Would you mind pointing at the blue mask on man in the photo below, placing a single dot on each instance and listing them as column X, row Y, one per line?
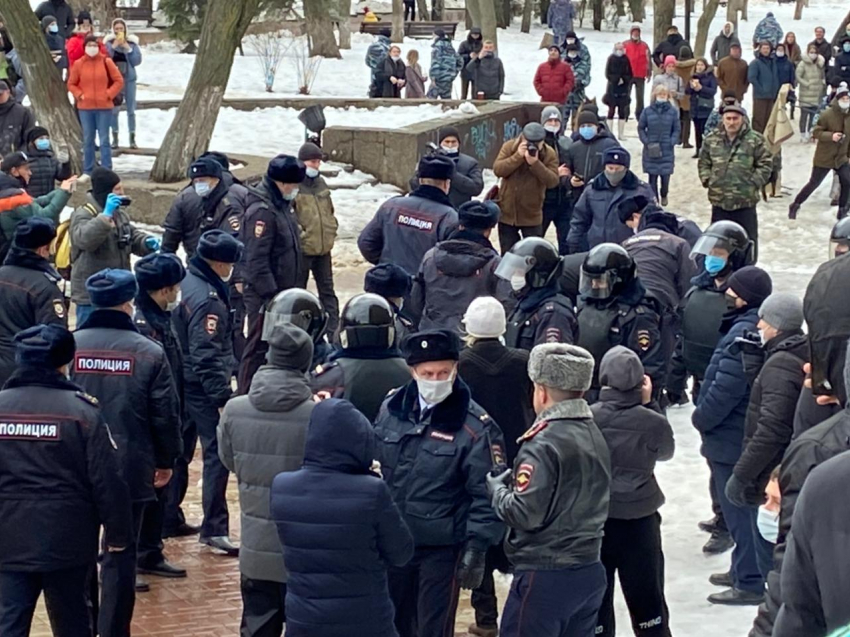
column 587, row 132
column 42, row 144
column 714, row 265
column 53, row 28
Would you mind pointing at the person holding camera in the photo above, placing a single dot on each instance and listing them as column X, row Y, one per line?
column 527, row 167
column 102, row 236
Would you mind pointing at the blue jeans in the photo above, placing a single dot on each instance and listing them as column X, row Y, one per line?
column 83, row 312
column 96, row 121
column 130, row 105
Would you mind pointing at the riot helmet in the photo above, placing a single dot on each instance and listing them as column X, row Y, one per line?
column 607, row 270
column 297, row 307
column 367, row 320
column 726, row 246
column 839, row 238
column 531, row 263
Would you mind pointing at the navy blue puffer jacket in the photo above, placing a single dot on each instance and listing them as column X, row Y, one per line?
column 340, row 531
column 659, row 124
column 725, row 393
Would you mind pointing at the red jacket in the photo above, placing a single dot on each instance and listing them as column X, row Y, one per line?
column 553, row 82
column 638, row 54
column 76, row 47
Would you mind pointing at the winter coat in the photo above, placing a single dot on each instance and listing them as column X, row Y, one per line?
column 62, row 11
column 314, row 209
column 659, row 132
column 637, row 438
column 764, row 77
column 56, row 44
column 685, row 71
column 98, row 242
column 15, row 121
column 811, row 82
column 722, row 44
column 414, row 82
column 702, row 101
column 259, row 436
column 523, row 187
column 840, row 70
column 732, row 75
column 584, row 158
column 785, row 71
column 392, row 68
column 618, row 73
column 487, row 75
column 560, row 18
column 768, row 30
column 498, row 378
column 469, row 46
column 445, row 63
column 556, row 517
column 377, row 53
column 824, row 49
column 830, row 154
column 675, row 85
column 581, row 74
column 735, row 171
column 16, row 205
column 95, row 82
column 795, row 54
column 126, row 61
column 638, row 54
column 770, row 414
column 671, row 45
column 721, row 407
column 340, row 531
column 595, row 219
column 553, row 81
column 75, row 46
column 46, row 171
column 467, row 180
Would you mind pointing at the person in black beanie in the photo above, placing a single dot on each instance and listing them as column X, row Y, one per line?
column 467, row 179
column 393, row 283
column 405, row 228
column 103, row 236
column 273, row 255
column 458, row 270
column 47, row 163
column 29, row 287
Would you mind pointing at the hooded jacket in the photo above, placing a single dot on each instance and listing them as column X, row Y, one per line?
column 585, row 157
column 445, row 62
column 702, row 100
column 524, row 185
column 560, row 18
column 15, row 121
column 637, row 437
column 340, row 531
column 55, row 41
column 467, row 47
column 811, row 81
column 16, row 205
column 618, row 73
column 659, row 125
column 722, row 44
column 62, row 11
column 126, row 61
column 767, row 30
column 580, row 66
column 672, row 45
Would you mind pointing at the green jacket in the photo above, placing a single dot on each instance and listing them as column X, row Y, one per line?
column 315, row 211
column 734, row 172
column 831, row 154
column 16, row 205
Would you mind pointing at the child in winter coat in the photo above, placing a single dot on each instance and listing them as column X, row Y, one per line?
column 811, row 86
column 618, row 72
column 414, row 77
column 701, row 89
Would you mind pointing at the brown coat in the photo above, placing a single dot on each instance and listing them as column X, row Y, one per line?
column 830, row 154
column 95, row 82
column 685, row 70
column 732, row 76
column 524, row 185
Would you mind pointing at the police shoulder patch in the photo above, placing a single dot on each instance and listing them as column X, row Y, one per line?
column 91, row 400
column 644, row 340
column 259, row 228
column 234, row 223
column 536, row 429
column 523, row 477
column 211, row 323
column 59, row 308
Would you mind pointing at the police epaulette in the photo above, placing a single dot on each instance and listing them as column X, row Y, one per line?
column 91, row 400
column 213, row 294
column 536, row 429
column 485, row 417
column 393, row 392
column 321, row 369
column 141, row 321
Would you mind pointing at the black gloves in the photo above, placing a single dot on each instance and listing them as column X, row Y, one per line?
column 736, row 492
column 470, row 572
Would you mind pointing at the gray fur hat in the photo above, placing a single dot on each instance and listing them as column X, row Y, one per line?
column 561, row 366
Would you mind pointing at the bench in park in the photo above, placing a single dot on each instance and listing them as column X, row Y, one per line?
column 422, row 30
column 137, row 14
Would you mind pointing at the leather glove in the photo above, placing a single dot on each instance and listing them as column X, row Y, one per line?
column 470, row 572
column 113, row 203
column 497, row 479
column 153, row 244
column 736, row 492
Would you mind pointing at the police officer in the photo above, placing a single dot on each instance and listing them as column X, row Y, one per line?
column 159, row 276
column 272, row 252
column 405, row 228
column 615, row 309
column 204, row 328
column 555, row 503
column 435, row 446
column 304, row 310
column 369, row 365
column 130, row 376
column 60, row 480
column 839, row 238
column 543, row 314
column 29, row 287
column 394, row 284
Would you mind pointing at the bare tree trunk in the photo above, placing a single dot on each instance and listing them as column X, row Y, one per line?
column 544, row 11
column 703, row 25
column 598, row 14
column 488, row 24
column 437, row 10
column 840, row 32
column 398, row 21
column 344, row 24
column 103, row 12
column 320, row 29
column 189, row 135
column 663, row 12
column 732, row 13
column 745, row 7
column 526, row 16
column 422, row 7
column 637, row 8
column 45, row 87
column 504, row 13
column 473, row 13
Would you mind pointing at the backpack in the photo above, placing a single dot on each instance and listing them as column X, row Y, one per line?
column 62, row 248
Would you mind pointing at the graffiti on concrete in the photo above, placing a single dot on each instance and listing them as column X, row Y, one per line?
column 511, row 129
column 481, row 138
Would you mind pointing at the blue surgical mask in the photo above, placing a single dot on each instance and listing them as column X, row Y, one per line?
column 768, row 524
column 312, row 173
column 714, row 264
column 53, row 28
column 42, row 144
column 587, row 132
column 202, row 188
column 292, row 195
column 846, row 47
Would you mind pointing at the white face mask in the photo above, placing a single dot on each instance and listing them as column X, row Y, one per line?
column 763, row 338
column 92, row 51
column 813, row 57
column 844, row 104
column 768, row 524
column 229, row 276
column 395, row 58
column 292, row 195
column 312, row 172
column 434, row 392
column 517, row 283
column 571, row 40
column 450, row 150
column 173, row 305
column 552, row 129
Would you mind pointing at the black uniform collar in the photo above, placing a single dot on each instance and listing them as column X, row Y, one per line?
column 471, row 236
column 202, row 269
column 449, row 415
column 535, row 298
column 40, row 377
column 365, row 353
column 29, row 260
column 432, row 193
column 158, row 318
column 111, row 319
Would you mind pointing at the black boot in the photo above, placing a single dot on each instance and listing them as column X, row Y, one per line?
column 793, row 209
column 736, row 597
column 133, row 140
column 709, row 526
column 114, row 139
column 719, row 542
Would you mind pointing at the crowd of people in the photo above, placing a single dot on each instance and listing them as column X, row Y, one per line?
column 474, row 409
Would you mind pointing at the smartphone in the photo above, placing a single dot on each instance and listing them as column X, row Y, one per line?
column 820, row 381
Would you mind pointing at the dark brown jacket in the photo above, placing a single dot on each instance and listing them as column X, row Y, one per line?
column 732, row 76
column 830, row 154
column 523, row 185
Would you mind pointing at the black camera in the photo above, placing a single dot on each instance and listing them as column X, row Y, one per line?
column 532, row 148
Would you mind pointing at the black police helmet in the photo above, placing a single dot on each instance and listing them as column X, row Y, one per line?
column 367, row 320
column 296, row 307
column 607, row 270
column 537, row 259
column 839, row 238
column 729, row 236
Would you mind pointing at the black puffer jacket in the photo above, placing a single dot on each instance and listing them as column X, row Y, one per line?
column 469, row 46
column 15, row 121
column 770, row 414
column 46, row 171
column 618, row 72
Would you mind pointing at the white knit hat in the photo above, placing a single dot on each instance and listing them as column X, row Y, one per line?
column 485, row 318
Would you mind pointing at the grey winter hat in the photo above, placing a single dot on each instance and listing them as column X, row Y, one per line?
column 533, row 132
column 621, row 369
column 561, row 366
column 551, row 112
column 782, row 311
column 290, row 347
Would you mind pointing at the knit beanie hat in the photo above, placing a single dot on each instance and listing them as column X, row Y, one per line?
column 588, row 117
column 752, row 284
column 485, row 318
column 782, row 311
column 103, row 181
column 670, row 60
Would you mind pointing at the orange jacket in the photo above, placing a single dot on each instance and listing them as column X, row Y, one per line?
column 75, row 46
column 95, row 82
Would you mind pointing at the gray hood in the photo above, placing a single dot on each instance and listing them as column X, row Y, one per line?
column 621, row 369
column 277, row 389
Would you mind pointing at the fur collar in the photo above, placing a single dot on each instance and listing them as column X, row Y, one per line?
column 566, row 410
column 449, row 415
column 132, row 39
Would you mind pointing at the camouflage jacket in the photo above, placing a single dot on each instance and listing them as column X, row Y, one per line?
column 734, row 172
column 445, row 62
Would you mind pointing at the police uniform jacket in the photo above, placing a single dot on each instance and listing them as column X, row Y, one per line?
column 129, row 375
column 557, row 505
column 204, row 327
column 405, row 228
column 704, row 307
column 467, row 180
column 155, row 323
column 542, row 316
column 31, row 295
column 59, row 476
column 436, row 464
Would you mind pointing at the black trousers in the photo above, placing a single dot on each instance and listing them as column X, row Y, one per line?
column 425, row 593
column 175, row 491
column 510, row 235
column 321, row 267
column 118, row 584
column 149, row 551
column 817, row 177
column 237, row 303
column 484, row 597
column 65, row 596
column 639, row 84
column 747, row 218
column 665, row 185
column 699, row 131
column 410, row 9
column 685, row 123
column 255, row 347
column 263, row 608
column 632, row 550
column 559, row 213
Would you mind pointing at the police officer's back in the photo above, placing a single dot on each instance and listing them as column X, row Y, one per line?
column 29, row 288
column 542, row 314
column 369, row 365
column 59, row 481
column 394, row 284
